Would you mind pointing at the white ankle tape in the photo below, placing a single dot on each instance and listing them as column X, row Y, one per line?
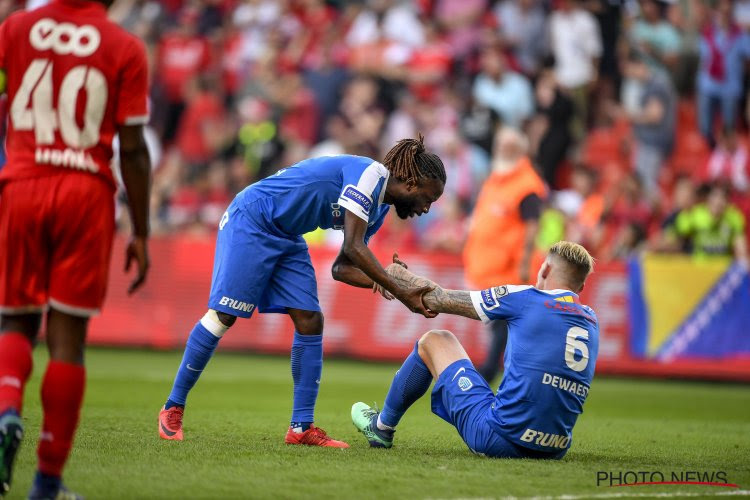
column 213, row 324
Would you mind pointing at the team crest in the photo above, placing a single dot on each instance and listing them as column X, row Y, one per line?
column 465, row 384
column 500, row 291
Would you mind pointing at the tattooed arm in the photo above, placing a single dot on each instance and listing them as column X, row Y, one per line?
column 439, row 300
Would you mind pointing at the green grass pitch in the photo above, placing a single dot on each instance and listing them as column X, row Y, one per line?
column 238, row 414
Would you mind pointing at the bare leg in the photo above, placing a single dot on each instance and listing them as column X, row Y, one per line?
column 66, row 337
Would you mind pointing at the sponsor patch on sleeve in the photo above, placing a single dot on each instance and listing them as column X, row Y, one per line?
column 358, row 197
column 491, row 296
column 489, row 299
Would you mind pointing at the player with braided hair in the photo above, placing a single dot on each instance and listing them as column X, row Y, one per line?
column 262, row 262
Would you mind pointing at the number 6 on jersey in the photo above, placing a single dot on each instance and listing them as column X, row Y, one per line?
column 572, row 344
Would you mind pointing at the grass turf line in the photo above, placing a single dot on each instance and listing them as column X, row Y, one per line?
column 239, row 411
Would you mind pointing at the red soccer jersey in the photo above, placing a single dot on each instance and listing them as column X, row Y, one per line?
column 73, row 76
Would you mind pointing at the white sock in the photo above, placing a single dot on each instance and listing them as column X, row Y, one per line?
column 384, row 427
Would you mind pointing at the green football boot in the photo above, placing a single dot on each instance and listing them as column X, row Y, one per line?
column 365, row 419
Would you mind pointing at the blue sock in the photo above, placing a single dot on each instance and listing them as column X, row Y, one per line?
column 409, row 384
column 46, row 485
column 307, row 366
column 199, row 349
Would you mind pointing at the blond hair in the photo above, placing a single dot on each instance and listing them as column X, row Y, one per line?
column 579, row 261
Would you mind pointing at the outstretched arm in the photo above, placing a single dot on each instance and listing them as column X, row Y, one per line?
column 369, row 271
column 439, row 299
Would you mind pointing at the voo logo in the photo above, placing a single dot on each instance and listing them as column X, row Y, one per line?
column 64, row 38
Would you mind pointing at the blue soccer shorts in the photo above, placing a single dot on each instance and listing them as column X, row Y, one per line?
column 255, row 267
column 463, row 398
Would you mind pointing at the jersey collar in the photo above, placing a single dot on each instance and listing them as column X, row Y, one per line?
column 85, row 5
column 385, row 185
column 558, row 291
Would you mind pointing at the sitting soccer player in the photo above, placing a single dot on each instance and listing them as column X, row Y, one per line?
column 553, row 342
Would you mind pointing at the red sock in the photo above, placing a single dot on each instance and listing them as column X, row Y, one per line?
column 15, row 367
column 62, row 396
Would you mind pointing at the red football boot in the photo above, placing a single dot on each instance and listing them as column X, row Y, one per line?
column 170, row 423
column 314, row 436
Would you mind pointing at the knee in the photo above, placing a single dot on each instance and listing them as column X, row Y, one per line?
column 308, row 322
column 26, row 324
column 225, row 319
column 435, row 337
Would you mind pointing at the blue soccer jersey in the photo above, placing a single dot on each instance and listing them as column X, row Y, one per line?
column 553, row 341
column 261, row 261
column 317, row 192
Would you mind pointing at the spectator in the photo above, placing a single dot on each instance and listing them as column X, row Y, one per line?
column 461, row 18
column 361, row 115
column 576, row 45
column 430, row 64
column 626, row 205
column 310, row 77
column 742, row 14
column 386, row 19
column 654, row 36
column 629, row 242
column 478, row 124
column 298, row 111
column 448, row 234
column 466, row 168
column 326, row 82
column 653, row 122
column 723, row 51
column 523, row 25
column 714, row 227
column 555, row 114
column 503, row 229
column 729, row 161
column 583, row 207
column 683, row 198
column 203, row 131
column 256, row 19
column 506, row 92
column 182, row 55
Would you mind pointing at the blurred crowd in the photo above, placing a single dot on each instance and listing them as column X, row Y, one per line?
column 632, row 114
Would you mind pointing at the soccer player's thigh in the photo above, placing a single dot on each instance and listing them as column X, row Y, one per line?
column 81, row 232
column 461, row 395
column 293, row 284
column 24, row 246
column 244, row 261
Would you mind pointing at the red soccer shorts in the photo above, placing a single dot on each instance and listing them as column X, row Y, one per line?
column 55, row 243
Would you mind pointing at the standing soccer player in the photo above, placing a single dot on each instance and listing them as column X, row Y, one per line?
column 74, row 79
column 553, row 341
column 263, row 262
